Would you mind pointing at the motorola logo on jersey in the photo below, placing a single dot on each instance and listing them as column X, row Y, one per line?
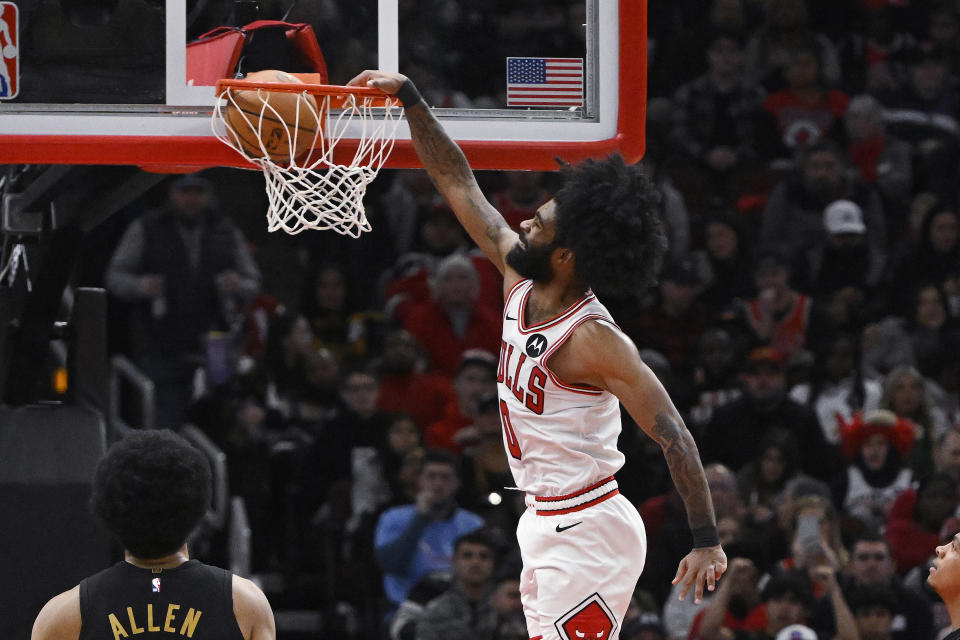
column 528, row 389
column 536, row 345
column 589, row 620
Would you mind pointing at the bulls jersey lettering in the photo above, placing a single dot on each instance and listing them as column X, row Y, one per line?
column 560, row 436
column 530, row 391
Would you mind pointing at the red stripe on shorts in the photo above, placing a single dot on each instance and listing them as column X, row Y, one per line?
column 579, row 507
column 575, row 493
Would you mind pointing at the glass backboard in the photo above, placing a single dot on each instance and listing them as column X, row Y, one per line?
column 106, row 81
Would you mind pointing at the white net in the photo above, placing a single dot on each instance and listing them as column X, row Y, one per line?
column 306, row 187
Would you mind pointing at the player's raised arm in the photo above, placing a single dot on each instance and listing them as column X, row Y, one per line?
column 609, row 359
column 447, row 167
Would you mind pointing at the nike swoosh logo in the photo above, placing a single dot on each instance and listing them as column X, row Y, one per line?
column 569, row 526
column 509, row 318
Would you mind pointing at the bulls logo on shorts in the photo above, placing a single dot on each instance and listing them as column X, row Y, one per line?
column 536, row 345
column 589, row 620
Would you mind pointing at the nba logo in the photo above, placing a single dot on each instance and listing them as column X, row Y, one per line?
column 155, row 585
column 9, row 51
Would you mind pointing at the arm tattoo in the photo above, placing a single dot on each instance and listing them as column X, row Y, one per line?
column 439, row 154
column 683, row 459
column 448, row 168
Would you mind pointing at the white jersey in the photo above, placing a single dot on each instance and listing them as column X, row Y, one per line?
column 560, row 437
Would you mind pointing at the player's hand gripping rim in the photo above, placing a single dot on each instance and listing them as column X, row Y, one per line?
column 702, row 566
column 386, row 81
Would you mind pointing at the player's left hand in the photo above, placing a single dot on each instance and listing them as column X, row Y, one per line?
column 384, row 80
column 701, row 567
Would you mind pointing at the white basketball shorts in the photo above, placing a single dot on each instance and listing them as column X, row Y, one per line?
column 582, row 555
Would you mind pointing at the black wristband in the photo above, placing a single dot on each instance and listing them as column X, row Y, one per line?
column 408, row 94
column 705, row 536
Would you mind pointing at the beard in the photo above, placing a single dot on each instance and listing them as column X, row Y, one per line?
column 531, row 262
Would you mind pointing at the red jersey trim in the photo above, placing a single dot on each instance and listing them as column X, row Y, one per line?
column 573, row 388
column 579, row 507
column 596, row 485
column 522, row 325
column 509, row 296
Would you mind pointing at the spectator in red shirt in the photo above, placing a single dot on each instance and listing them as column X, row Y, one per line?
column 787, row 600
column 407, row 282
column 476, row 375
column 452, row 321
column 735, row 606
column 405, row 388
column 521, row 197
column 780, row 316
column 881, row 159
column 806, row 110
column 920, row 519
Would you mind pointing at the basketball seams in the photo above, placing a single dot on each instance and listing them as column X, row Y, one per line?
column 250, row 146
column 256, row 114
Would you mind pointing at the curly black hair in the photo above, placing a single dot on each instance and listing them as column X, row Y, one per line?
column 608, row 215
column 151, row 490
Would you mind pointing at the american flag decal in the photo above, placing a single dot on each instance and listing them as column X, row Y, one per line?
column 544, row 82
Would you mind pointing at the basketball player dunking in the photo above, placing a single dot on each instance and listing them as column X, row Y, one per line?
column 564, row 368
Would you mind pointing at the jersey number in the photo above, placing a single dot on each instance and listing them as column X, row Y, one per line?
column 512, row 444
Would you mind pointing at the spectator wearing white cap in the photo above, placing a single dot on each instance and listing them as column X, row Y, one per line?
column 845, row 264
column 793, row 217
column 797, row 632
column 844, row 217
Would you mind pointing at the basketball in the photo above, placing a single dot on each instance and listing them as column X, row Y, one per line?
column 272, row 118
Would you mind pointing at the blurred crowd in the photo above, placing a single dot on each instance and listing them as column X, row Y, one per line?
column 806, row 324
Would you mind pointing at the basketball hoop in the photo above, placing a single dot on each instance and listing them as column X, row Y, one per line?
column 301, row 136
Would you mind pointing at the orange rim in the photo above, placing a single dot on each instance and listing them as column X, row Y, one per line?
column 338, row 94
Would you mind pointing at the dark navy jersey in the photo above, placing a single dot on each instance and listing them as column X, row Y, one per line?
column 193, row 600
